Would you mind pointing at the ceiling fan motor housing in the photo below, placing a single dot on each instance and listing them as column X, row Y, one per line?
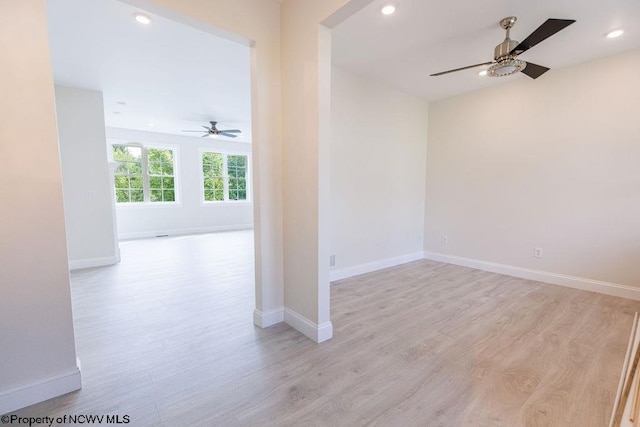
column 503, row 50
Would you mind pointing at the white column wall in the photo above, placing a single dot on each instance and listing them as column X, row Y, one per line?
column 37, row 348
column 88, row 193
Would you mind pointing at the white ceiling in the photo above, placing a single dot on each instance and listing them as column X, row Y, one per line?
column 179, row 77
column 170, row 75
column 428, row 36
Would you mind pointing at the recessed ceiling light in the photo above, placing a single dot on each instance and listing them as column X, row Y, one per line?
column 615, row 33
column 151, row 124
column 121, row 103
column 482, row 73
column 117, row 112
column 388, row 9
column 142, row 18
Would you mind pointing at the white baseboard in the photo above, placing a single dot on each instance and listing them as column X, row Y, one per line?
column 606, row 288
column 318, row 333
column 182, row 231
column 270, row 318
column 40, row 390
column 344, row 273
column 77, row 264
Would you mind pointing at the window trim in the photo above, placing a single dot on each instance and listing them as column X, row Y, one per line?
column 145, row 173
column 225, row 153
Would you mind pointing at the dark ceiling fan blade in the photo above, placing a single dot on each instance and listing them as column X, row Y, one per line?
column 205, row 135
column 207, row 128
column 193, row 131
column 230, row 135
column 534, row 70
column 543, row 32
column 460, row 69
column 231, row 130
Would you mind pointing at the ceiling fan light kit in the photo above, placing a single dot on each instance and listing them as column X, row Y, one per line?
column 505, row 55
column 506, row 67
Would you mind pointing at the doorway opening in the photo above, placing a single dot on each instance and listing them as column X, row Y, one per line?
column 165, row 216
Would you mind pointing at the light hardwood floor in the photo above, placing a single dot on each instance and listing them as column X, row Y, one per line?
column 166, row 337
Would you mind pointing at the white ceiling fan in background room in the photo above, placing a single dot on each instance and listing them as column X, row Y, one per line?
column 213, row 132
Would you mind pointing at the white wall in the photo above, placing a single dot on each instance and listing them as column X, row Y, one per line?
column 257, row 22
column 378, row 150
column 37, row 349
column 190, row 214
column 88, row 196
column 551, row 163
column 306, row 86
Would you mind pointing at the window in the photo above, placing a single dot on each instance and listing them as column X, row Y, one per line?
column 224, row 177
column 161, row 179
column 128, row 176
column 237, row 171
column 213, row 173
column 144, row 174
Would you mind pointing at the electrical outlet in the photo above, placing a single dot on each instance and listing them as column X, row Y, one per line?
column 445, row 239
column 332, row 261
column 537, row 252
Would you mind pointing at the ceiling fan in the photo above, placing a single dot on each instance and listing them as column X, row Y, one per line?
column 505, row 54
column 213, row 131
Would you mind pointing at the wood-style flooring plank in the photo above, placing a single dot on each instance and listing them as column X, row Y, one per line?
column 166, row 337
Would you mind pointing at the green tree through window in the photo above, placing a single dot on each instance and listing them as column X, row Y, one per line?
column 161, row 179
column 144, row 174
column 128, row 176
column 237, row 170
column 224, row 177
column 213, row 173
